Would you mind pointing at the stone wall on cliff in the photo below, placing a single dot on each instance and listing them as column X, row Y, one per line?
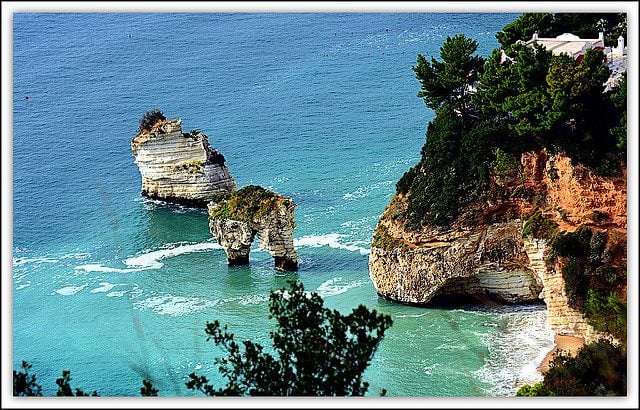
column 180, row 167
column 490, row 255
column 253, row 211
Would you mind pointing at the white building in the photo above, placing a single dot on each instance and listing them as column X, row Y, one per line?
column 615, row 57
column 568, row 43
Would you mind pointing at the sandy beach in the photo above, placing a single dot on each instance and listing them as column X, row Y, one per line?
column 569, row 344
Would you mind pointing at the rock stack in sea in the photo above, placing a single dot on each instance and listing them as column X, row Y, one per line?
column 179, row 167
column 235, row 221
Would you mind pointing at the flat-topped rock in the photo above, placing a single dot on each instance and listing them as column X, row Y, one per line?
column 180, row 167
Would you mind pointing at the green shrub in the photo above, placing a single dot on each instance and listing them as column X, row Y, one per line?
column 598, row 216
column 215, row 157
column 382, row 239
column 572, row 244
column 249, row 203
column 191, row 167
column 607, row 313
column 576, row 283
column 537, row 389
column 592, row 284
column 404, row 183
column 454, row 168
column 505, row 166
column 539, row 227
column 150, row 118
column 599, row 369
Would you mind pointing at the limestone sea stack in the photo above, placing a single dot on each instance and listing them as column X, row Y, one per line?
column 252, row 210
column 179, row 167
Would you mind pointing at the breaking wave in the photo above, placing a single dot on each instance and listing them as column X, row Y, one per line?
column 151, row 260
column 516, row 347
column 331, row 240
column 337, row 286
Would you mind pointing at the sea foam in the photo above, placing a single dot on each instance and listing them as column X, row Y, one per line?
column 104, row 287
column 93, row 267
column 174, row 305
column 22, row 261
column 516, row 347
column 151, row 260
column 331, row 240
column 70, row 290
column 337, row 286
column 25, row 285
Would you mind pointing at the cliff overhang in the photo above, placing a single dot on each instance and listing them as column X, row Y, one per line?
column 501, row 249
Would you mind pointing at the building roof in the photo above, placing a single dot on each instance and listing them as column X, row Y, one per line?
column 566, row 43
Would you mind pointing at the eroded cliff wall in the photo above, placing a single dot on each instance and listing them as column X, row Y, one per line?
column 490, row 255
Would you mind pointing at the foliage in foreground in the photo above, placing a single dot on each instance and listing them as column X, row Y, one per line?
column 599, row 369
column 316, row 352
column 25, row 384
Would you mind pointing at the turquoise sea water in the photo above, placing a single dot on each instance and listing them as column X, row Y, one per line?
column 319, row 107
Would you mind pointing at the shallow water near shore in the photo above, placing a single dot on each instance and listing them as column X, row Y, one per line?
column 319, row 107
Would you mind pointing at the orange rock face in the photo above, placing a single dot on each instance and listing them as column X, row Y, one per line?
column 575, row 193
column 414, row 265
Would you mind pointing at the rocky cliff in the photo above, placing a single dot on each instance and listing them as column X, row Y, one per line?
column 254, row 211
column 502, row 251
column 180, row 167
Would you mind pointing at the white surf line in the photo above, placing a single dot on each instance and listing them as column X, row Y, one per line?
column 331, row 240
column 151, row 260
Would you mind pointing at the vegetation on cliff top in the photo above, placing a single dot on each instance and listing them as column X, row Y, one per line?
column 316, row 351
column 249, row 203
column 150, row 118
column 525, row 99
